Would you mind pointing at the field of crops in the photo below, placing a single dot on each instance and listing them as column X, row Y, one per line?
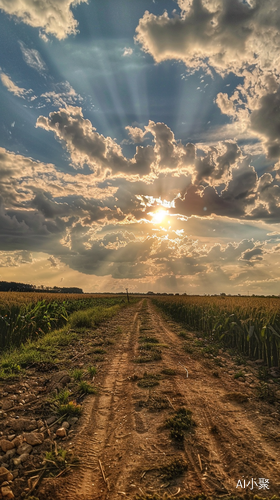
column 250, row 325
column 27, row 315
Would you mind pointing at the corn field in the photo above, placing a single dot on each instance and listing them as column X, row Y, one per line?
column 250, row 325
column 26, row 315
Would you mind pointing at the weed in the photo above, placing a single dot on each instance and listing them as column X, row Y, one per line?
column 181, row 422
column 59, row 459
column 155, row 403
column 265, row 392
column 62, row 397
column 149, row 380
column 239, row 374
column 173, row 469
column 187, row 348
column 71, row 409
column 168, row 371
column 98, row 358
column 149, row 358
column 92, row 370
column 150, row 346
column 77, row 374
column 85, row 388
column 149, row 339
column 240, row 360
column 99, row 350
column 263, row 373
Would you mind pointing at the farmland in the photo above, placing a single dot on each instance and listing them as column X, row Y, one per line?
column 249, row 324
column 25, row 316
column 163, row 406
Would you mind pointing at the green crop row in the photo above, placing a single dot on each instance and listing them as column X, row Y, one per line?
column 249, row 325
column 24, row 321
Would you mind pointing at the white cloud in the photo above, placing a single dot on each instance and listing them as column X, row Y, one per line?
column 54, row 17
column 127, row 51
column 12, row 87
column 33, row 58
column 63, row 95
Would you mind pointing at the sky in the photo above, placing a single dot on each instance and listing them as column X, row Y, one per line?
column 140, row 145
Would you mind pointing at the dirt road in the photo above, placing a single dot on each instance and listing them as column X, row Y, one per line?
column 122, row 441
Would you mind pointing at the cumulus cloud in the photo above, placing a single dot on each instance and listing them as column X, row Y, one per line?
column 12, row 87
column 33, row 58
column 52, row 17
column 136, row 134
column 225, row 35
column 127, row 51
column 266, row 121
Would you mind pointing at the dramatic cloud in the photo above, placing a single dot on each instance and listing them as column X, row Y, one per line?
column 53, row 17
column 226, row 35
column 266, row 121
column 12, row 87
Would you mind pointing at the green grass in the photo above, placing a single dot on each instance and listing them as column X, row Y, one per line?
column 92, row 370
column 77, row 374
column 70, row 409
column 47, row 348
column 86, row 388
column 239, row 374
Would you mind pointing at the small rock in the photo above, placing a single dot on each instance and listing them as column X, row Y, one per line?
column 34, row 438
column 18, row 441
column 61, row 432
column 51, row 420
column 6, row 405
column 7, row 492
column 24, row 448
column 11, row 437
column 16, row 461
column 24, row 457
column 73, row 420
column 66, row 425
column 58, row 381
column 6, row 445
column 5, row 475
column 10, row 454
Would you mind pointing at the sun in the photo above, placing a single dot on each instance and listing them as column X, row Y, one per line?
column 159, row 216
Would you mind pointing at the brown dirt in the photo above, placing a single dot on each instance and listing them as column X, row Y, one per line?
column 120, row 433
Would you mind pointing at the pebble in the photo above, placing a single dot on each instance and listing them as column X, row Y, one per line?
column 24, row 448
column 5, row 475
column 66, row 425
column 11, row 437
column 34, row 438
column 7, row 492
column 6, row 445
column 51, row 420
column 73, row 420
column 61, row 432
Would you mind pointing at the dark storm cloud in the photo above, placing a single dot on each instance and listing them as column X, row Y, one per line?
column 266, row 121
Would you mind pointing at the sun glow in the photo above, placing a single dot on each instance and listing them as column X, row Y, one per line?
column 159, row 216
